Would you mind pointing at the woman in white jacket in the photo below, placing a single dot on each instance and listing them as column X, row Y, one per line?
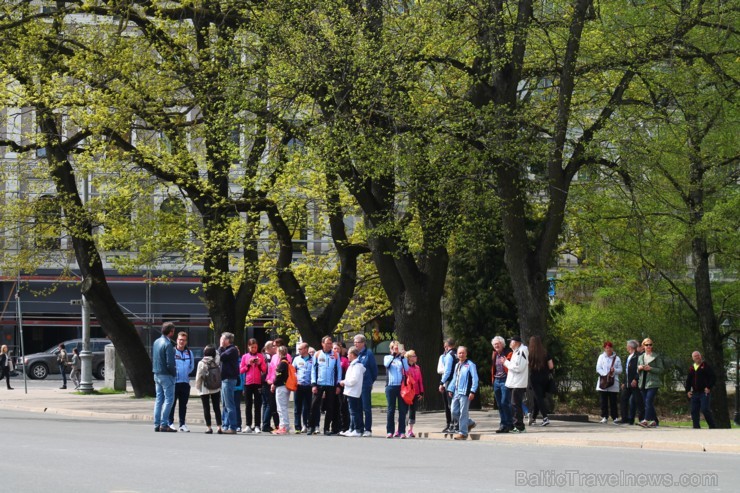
column 209, row 396
column 608, row 365
column 352, row 384
column 517, row 379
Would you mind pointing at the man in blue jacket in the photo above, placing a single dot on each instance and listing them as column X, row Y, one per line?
column 326, row 373
column 462, row 390
column 184, row 364
column 367, row 359
column 229, row 354
column 163, row 367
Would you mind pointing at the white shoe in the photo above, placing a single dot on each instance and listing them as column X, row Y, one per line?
column 185, row 428
column 604, row 421
column 172, row 427
column 304, row 430
column 354, row 434
column 344, row 433
column 248, row 429
column 367, row 434
column 257, row 429
column 239, row 430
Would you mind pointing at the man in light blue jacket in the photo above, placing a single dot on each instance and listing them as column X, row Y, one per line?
column 462, row 390
column 163, row 367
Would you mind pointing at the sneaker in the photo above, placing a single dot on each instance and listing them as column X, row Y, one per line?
column 472, row 425
column 248, row 429
column 239, row 429
column 167, row 429
column 257, row 430
column 297, row 431
column 280, row 431
column 505, row 429
column 403, row 436
column 529, row 418
column 229, row 432
column 304, row 430
column 343, row 433
column 518, row 430
column 354, row 434
column 603, row 421
column 367, row 434
column 184, row 428
column 397, row 435
column 643, row 423
column 460, row 436
column 209, row 431
column 617, row 421
column 389, row 435
column 309, row 431
column 652, row 424
column 410, row 434
column 446, row 429
column 545, row 421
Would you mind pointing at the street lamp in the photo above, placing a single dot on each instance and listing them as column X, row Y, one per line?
column 727, row 325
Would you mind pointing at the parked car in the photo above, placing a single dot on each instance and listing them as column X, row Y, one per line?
column 41, row 365
column 197, row 356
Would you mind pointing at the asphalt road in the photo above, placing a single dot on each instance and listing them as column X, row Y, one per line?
column 52, row 453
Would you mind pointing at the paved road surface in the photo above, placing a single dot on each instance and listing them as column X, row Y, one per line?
column 52, row 453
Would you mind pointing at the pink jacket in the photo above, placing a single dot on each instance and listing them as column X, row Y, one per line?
column 415, row 372
column 253, row 370
column 272, row 368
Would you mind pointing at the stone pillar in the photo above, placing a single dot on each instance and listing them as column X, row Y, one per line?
column 115, row 373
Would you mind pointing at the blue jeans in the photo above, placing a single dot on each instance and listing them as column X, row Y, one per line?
column 700, row 402
column 367, row 408
column 227, row 402
column 648, row 396
column 165, row 399
column 503, row 399
column 355, row 414
column 460, row 415
column 393, row 394
column 63, row 371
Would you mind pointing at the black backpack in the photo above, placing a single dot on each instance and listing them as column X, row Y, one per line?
column 212, row 376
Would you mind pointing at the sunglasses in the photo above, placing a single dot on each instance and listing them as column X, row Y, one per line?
column 648, row 345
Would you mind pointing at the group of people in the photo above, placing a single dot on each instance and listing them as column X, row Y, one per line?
column 642, row 378
column 334, row 381
column 337, row 382
column 74, row 366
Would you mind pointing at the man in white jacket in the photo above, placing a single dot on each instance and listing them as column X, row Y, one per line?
column 517, row 379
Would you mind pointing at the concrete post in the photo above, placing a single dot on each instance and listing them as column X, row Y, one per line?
column 86, row 383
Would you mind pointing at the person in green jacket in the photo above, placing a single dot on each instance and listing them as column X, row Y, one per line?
column 649, row 369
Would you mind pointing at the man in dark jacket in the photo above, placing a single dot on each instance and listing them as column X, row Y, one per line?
column 699, row 383
column 229, row 373
column 631, row 395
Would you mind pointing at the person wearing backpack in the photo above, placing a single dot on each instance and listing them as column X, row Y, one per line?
column 281, row 391
column 208, row 385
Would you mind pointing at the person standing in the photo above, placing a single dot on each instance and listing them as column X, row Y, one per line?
column 396, row 366
column 699, row 383
column 268, row 405
column 282, row 394
column 6, row 365
column 208, row 396
column 302, row 396
column 608, row 366
column 352, row 384
column 62, row 363
column 517, row 380
column 650, row 368
column 253, row 367
column 326, row 373
column 270, row 379
column 462, row 390
column 366, row 359
column 501, row 392
column 76, row 365
column 631, row 401
column 163, row 367
column 340, row 423
column 540, row 366
column 229, row 356
column 449, row 360
column 184, row 365
column 415, row 373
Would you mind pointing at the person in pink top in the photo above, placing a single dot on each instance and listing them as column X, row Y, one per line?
column 269, row 380
column 253, row 367
column 415, row 372
column 341, row 407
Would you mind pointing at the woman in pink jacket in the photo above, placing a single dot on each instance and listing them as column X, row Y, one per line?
column 415, row 372
column 253, row 367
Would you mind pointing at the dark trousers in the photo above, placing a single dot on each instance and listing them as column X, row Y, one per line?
column 355, row 414
column 367, row 408
column 341, row 413
column 412, row 410
column 6, row 375
column 253, row 397
column 517, row 399
column 648, row 397
column 302, row 406
column 448, row 412
column 539, row 387
column 328, row 395
column 700, row 402
column 608, row 404
column 182, row 394
column 393, row 396
column 269, row 408
column 631, row 403
column 63, row 371
column 238, row 407
column 207, row 400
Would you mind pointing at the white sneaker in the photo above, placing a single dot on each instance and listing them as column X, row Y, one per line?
column 343, row 433
column 239, row 430
column 304, row 430
column 604, row 421
column 367, row 434
column 257, row 429
column 185, row 428
column 173, row 428
column 354, row 434
column 248, row 429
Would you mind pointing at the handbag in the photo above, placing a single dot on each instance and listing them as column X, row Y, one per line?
column 408, row 389
column 606, row 381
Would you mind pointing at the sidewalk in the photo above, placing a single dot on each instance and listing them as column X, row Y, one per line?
column 428, row 425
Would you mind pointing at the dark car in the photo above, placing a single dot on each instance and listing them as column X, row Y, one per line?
column 40, row 365
column 197, row 356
